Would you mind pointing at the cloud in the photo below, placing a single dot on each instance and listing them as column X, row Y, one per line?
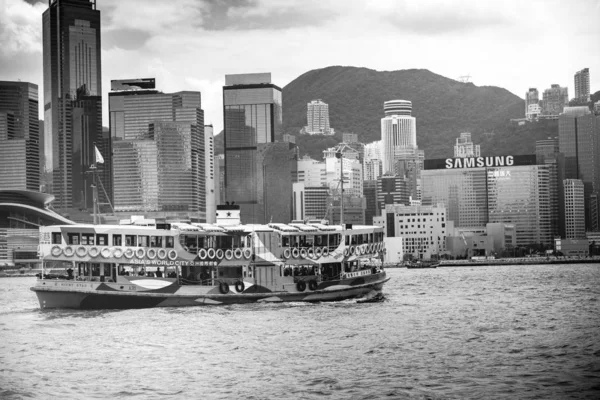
column 20, row 27
column 125, row 38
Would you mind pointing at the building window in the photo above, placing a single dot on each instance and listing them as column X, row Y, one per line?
column 73, row 238
column 56, row 238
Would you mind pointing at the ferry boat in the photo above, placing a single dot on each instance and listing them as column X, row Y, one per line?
column 197, row 264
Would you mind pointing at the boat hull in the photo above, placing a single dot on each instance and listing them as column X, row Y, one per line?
column 74, row 295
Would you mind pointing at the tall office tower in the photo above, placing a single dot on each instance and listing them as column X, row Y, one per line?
column 372, row 169
column 351, row 167
column 317, row 119
column 19, row 136
column 72, row 99
column 158, row 148
column 370, row 195
column 400, row 153
column 212, row 180
column 554, row 100
column 547, row 152
column 582, row 84
column 464, row 147
column 574, row 209
column 578, row 133
column 252, row 119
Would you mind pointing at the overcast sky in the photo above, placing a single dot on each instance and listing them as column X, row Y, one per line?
column 192, row 44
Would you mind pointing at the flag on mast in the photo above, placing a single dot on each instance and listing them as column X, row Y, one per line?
column 99, row 158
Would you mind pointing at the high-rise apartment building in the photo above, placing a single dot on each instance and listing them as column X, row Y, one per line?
column 252, row 119
column 317, row 119
column 72, row 99
column 158, row 147
column 464, row 147
column 19, row 136
column 582, row 84
column 555, row 99
column 574, row 209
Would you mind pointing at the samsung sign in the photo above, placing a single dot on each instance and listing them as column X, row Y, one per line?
column 480, row 162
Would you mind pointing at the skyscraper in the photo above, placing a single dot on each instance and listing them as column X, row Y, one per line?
column 317, row 118
column 72, row 98
column 19, row 136
column 157, row 139
column 554, row 101
column 582, row 84
column 574, row 209
column 464, row 147
column 400, row 153
column 252, row 119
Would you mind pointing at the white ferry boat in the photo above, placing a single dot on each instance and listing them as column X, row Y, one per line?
column 194, row 264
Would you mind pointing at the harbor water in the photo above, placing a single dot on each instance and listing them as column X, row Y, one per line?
column 526, row 332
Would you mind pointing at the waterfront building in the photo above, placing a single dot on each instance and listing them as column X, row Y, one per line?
column 464, row 147
column 72, row 99
column 574, row 209
column 19, row 136
column 582, row 85
column 351, row 166
column 503, row 189
column 317, row 118
column 555, row 99
column 252, row 118
column 578, row 131
column 22, row 212
column 354, row 209
column 211, row 171
column 547, row 152
column 158, row 148
column 422, row 229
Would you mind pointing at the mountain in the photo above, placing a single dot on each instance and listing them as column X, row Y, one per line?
column 442, row 107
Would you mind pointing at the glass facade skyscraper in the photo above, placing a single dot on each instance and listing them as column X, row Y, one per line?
column 72, row 99
column 252, row 118
column 19, row 136
column 158, row 163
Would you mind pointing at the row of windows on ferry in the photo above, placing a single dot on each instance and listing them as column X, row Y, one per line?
column 102, row 239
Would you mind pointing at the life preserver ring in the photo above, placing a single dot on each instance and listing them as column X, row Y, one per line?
column 202, row 253
column 118, row 253
column 247, row 254
column 352, row 250
column 172, row 255
column 296, row 252
column 68, row 251
column 312, row 284
column 93, row 252
column 239, row 286
column 371, row 248
column 56, row 251
column 129, row 253
column 301, row 286
column 140, row 253
column 325, row 251
column 303, row 253
column 346, row 252
column 223, row 288
column 81, row 251
column 238, row 253
column 287, row 253
column 311, row 252
column 229, row 254
column 318, row 252
column 162, row 254
column 219, row 253
column 106, row 253
column 211, row 253
column 151, row 253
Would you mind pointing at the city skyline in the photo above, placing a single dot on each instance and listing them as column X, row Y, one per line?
column 446, row 39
